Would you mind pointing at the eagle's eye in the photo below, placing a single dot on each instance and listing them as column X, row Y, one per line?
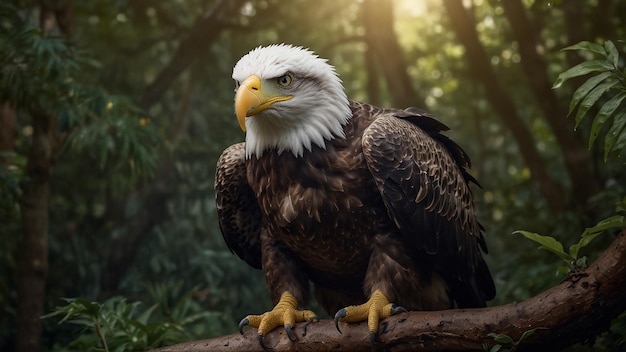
column 284, row 80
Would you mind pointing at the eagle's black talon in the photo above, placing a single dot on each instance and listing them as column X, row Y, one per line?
column 395, row 309
column 245, row 321
column 313, row 319
column 373, row 341
column 290, row 333
column 340, row 314
column 260, row 337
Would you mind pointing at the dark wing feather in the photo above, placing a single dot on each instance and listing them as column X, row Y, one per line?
column 238, row 211
column 423, row 179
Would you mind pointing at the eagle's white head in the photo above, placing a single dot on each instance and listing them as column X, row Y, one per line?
column 289, row 99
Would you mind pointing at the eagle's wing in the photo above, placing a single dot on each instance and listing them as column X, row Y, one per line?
column 238, row 211
column 423, row 179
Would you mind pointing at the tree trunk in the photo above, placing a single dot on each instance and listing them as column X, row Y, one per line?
column 601, row 26
column 57, row 14
column 582, row 306
column 463, row 25
column 575, row 155
column 7, row 133
column 34, row 246
column 35, row 198
column 383, row 43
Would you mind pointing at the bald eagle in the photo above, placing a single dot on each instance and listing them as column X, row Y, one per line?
column 369, row 206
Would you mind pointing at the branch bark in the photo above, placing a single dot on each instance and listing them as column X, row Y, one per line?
column 575, row 310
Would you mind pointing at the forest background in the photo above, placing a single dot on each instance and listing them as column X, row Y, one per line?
column 114, row 114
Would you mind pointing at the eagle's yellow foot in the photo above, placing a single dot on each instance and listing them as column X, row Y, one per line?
column 376, row 308
column 285, row 313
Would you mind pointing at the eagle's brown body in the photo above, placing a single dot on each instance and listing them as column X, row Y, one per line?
column 388, row 207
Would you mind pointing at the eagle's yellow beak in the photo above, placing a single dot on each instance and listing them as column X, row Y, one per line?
column 253, row 97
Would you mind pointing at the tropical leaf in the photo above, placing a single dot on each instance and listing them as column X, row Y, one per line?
column 593, row 96
column 501, row 338
column 620, row 145
column 617, row 130
column 613, row 55
column 616, row 221
column 582, row 69
column 585, row 88
column 588, row 46
column 610, row 85
column 584, row 241
column 548, row 243
column 605, row 112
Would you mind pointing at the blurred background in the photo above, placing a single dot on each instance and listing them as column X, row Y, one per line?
column 114, row 114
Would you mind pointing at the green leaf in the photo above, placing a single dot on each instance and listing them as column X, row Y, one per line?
column 615, row 221
column 613, row 55
column 528, row 333
column 585, row 88
column 145, row 316
column 584, row 241
column 617, row 130
column 582, row 69
column 605, row 112
column 548, row 243
column 588, row 46
column 501, row 338
column 620, row 145
column 593, row 97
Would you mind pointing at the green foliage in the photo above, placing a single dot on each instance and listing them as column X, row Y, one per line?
column 608, row 83
column 571, row 257
column 41, row 74
column 117, row 325
column 38, row 72
column 119, row 135
column 504, row 343
column 616, row 336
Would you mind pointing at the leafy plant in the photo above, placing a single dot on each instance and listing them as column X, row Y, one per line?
column 41, row 73
column 608, row 82
column 572, row 257
column 505, row 343
column 117, row 325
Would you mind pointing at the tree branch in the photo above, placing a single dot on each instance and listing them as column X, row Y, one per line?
column 574, row 311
